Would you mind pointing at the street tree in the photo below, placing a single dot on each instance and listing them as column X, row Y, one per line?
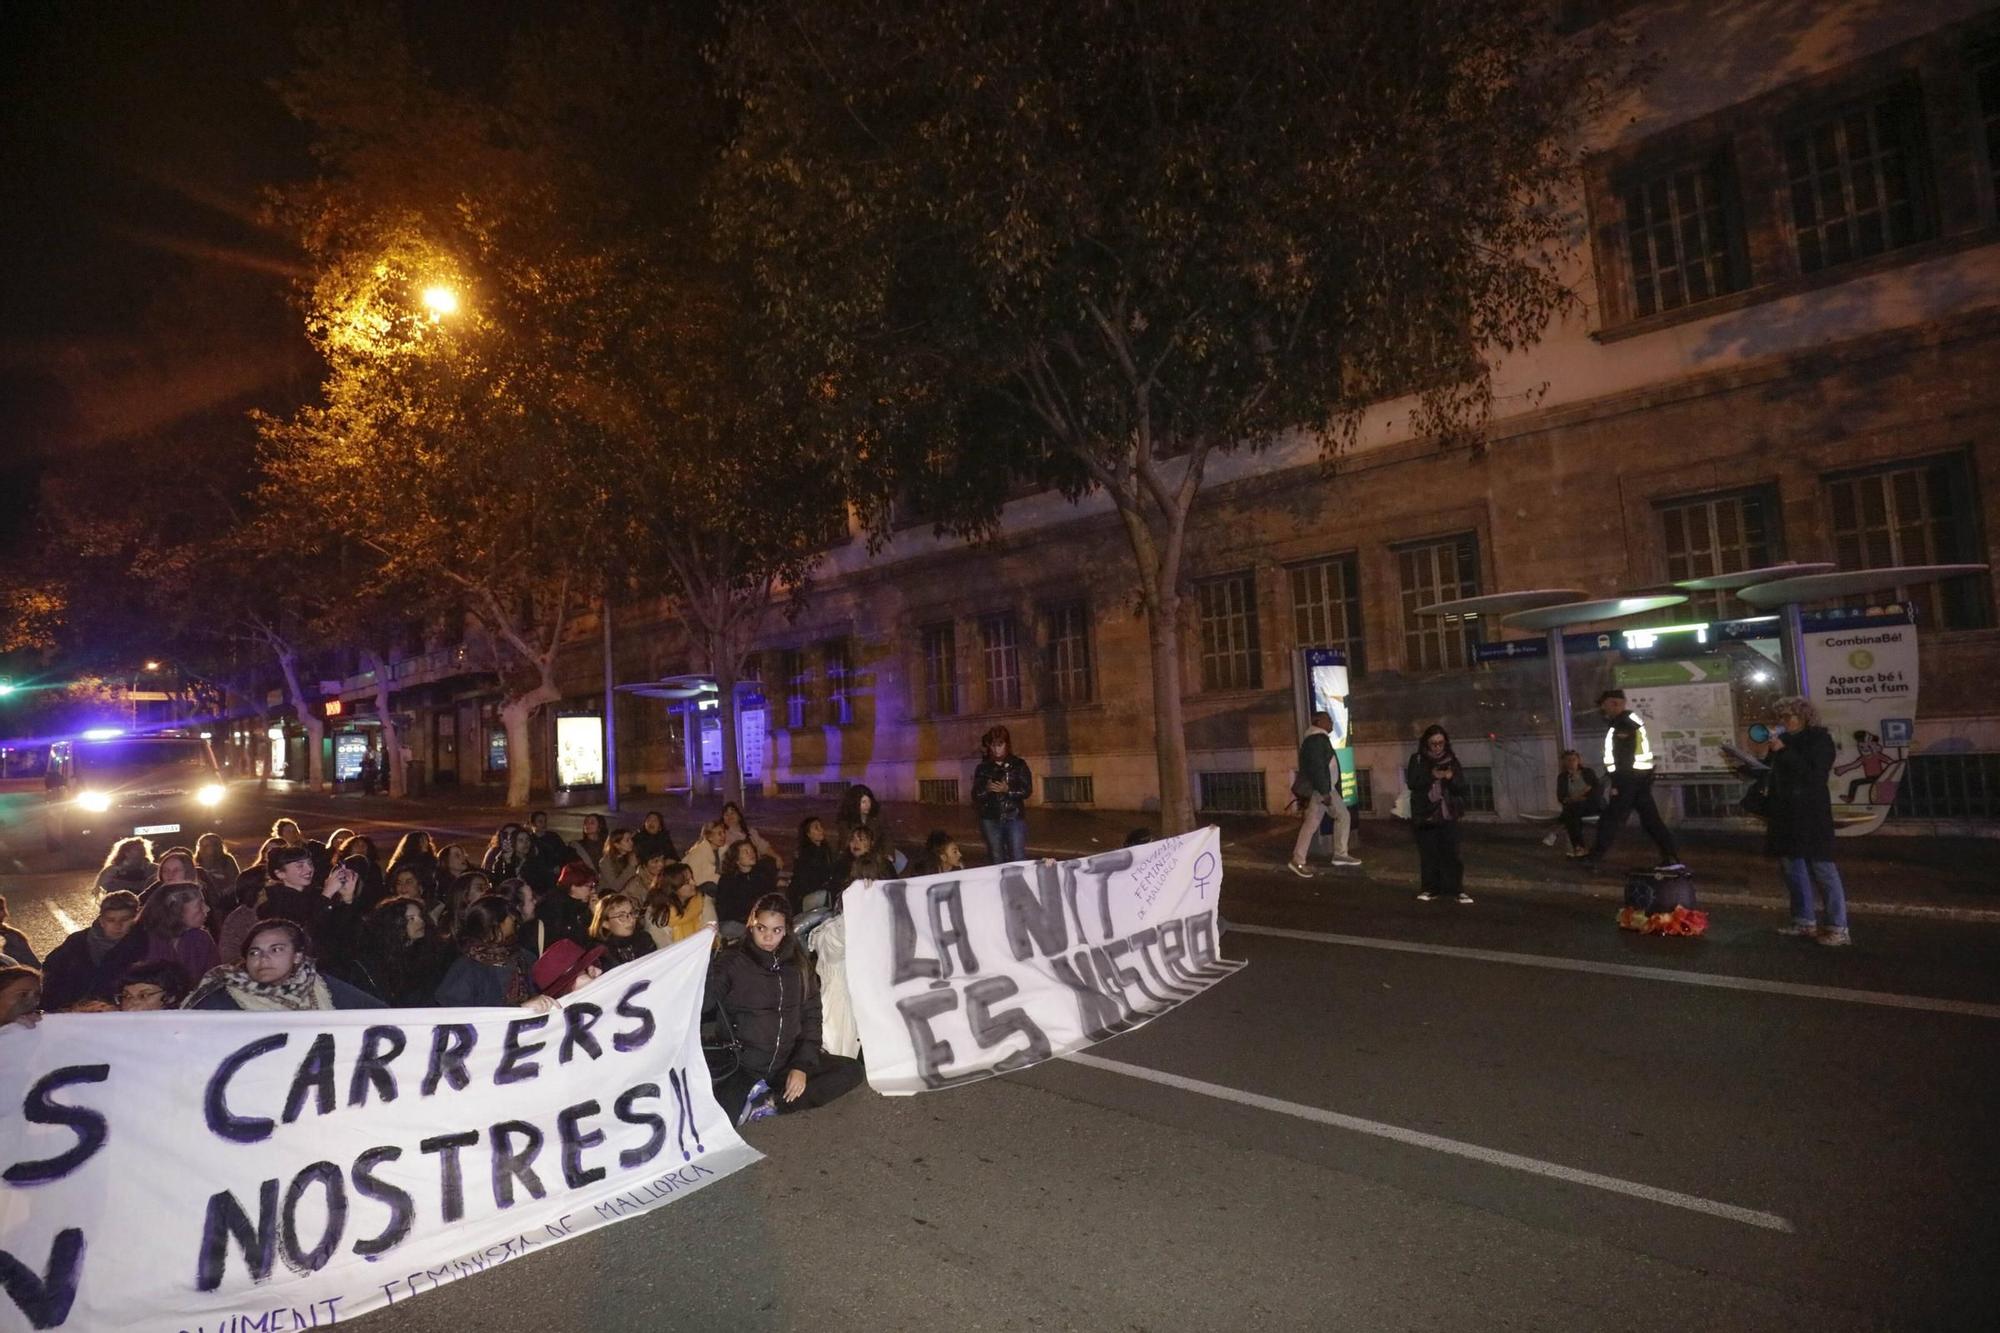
column 467, row 298
column 1098, row 244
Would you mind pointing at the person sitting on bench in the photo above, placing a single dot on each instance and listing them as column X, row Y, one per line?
column 1579, row 795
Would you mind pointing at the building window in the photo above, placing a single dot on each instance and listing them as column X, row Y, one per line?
column 937, row 791
column 1230, row 659
column 1071, row 671
column 798, row 686
column 791, row 788
column 1000, row 660
column 1718, row 534
column 1855, row 183
column 495, row 748
column 1069, row 789
column 1326, row 608
column 1913, row 514
column 1232, row 793
column 1683, row 234
column 837, row 659
column 1986, row 77
column 940, row 670
column 1439, row 571
column 1478, row 790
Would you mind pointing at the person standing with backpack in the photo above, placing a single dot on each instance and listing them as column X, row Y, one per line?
column 1437, row 803
column 1317, row 790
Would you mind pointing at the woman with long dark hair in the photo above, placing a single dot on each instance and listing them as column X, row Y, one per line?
column 414, row 852
column 747, row 879
column 652, row 839
column 766, row 987
column 398, row 957
column 491, row 968
column 676, row 907
column 1437, row 803
column 814, row 866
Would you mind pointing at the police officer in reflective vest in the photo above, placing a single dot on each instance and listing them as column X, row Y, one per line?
column 1628, row 766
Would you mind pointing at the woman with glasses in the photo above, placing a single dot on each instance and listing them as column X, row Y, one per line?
column 157, row 983
column 765, row 985
column 277, row 973
column 614, row 926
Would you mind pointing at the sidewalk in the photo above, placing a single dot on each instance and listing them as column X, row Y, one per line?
column 1938, row 877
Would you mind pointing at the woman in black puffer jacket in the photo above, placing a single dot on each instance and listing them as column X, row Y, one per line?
column 765, row 985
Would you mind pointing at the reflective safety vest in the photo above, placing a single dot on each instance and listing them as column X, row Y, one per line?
column 1642, row 746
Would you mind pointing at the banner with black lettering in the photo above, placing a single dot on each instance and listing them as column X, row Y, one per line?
column 198, row 1171
column 964, row 975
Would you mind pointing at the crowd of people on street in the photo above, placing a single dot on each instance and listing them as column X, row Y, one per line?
column 332, row 923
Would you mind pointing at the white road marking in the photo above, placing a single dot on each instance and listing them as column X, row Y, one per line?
column 1801, row 990
column 64, row 919
column 1437, row 1143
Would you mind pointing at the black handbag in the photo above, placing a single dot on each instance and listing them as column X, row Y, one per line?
column 1756, row 798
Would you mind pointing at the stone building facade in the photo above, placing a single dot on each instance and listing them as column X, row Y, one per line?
column 1786, row 347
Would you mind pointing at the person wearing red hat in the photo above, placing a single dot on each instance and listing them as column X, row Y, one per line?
column 565, row 914
column 566, row 966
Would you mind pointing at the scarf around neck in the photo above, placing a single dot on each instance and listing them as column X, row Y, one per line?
column 303, row 989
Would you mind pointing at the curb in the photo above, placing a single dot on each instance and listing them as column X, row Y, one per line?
column 1985, row 916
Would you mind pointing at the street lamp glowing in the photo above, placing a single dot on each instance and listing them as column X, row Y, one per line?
column 440, row 301
column 152, row 665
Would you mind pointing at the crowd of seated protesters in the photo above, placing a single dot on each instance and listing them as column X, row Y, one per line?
column 329, row 924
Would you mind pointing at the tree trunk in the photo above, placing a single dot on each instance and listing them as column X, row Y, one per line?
column 723, row 656
column 515, row 714
column 392, row 739
column 288, row 661
column 1169, row 732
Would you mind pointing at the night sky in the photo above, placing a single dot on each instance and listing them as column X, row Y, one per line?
column 140, row 292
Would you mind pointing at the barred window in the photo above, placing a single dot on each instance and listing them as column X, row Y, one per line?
column 1718, row 534
column 1230, row 658
column 798, row 686
column 837, row 657
column 1913, row 514
column 1326, row 608
column 1683, row 232
column 1232, row 793
column 1068, row 664
column 1855, row 182
column 1432, row 572
column 940, row 670
column 1000, row 660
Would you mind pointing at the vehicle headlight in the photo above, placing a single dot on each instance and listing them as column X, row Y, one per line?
column 94, row 801
column 211, row 794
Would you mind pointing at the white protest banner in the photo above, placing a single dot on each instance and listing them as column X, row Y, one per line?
column 199, row 1172
column 965, row 975
column 1863, row 680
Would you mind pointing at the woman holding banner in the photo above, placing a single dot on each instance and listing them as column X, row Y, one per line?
column 277, row 973
column 765, row 985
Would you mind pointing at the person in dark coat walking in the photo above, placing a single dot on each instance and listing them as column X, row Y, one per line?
column 1437, row 803
column 1799, row 820
column 766, row 987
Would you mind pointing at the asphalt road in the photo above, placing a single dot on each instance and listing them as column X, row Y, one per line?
column 1399, row 1116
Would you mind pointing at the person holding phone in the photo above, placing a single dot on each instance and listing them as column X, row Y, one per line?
column 1000, row 788
column 1579, row 796
column 1437, row 803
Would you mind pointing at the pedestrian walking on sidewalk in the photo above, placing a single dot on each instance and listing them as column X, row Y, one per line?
column 1437, row 803
column 1317, row 790
column 1000, row 787
column 1628, row 766
column 1799, row 815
